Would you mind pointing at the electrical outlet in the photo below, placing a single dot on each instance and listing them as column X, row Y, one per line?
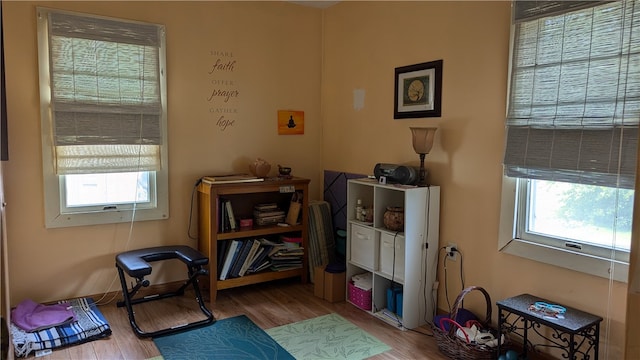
column 452, row 252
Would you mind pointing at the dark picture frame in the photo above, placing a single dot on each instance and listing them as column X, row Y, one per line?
column 418, row 90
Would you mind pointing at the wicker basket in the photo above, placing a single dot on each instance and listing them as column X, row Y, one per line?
column 457, row 348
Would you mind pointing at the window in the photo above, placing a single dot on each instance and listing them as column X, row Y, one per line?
column 572, row 134
column 580, row 215
column 103, row 113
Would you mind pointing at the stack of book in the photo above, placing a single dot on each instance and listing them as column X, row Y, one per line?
column 291, row 241
column 237, row 258
column 289, row 256
column 268, row 214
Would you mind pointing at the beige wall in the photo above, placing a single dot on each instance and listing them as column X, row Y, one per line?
column 364, row 42
column 279, row 47
column 278, row 52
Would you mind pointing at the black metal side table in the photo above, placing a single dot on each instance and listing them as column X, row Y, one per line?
column 575, row 332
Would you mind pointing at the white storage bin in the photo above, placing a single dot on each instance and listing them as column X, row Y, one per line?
column 387, row 259
column 363, row 246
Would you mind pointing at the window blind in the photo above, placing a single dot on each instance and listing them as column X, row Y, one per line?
column 574, row 102
column 105, row 94
column 525, row 10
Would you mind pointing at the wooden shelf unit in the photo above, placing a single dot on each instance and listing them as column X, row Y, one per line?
column 243, row 197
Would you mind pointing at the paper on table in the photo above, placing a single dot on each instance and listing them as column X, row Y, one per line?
column 231, row 178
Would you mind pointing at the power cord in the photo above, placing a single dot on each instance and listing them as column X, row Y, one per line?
column 425, row 272
column 393, row 276
column 446, row 285
column 193, row 193
column 99, row 302
column 461, row 268
column 427, row 286
column 461, row 273
column 420, row 332
column 450, row 251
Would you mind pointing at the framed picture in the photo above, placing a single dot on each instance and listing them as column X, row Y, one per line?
column 290, row 122
column 418, row 90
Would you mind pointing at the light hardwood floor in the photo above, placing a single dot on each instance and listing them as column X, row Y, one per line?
column 268, row 305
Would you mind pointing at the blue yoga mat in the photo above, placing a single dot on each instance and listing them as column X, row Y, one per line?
column 232, row 338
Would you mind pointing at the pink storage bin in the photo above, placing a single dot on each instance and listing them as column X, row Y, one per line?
column 360, row 298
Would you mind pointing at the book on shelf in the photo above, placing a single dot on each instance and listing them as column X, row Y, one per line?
column 268, row 217
column 230, row 179
column 268, row 213
column 264, row 265
column 269, row 220
column 224, row 223
column 255, row 245
column 263, row 255
column 223, row 247
column 234, row 247
column 275, row 246
column 288, row 254
column 292, row 245
column 263, row 261
column 239, row 260
column 230, row 216
column 259, row 255
column 265, row 206
column 291, row 240
column 285, row 259
column 291, row 262
column 285, row 267
column 274, row 250
column 226, row 218
column 240, row 257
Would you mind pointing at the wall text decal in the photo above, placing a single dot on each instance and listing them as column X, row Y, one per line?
column 224, row 94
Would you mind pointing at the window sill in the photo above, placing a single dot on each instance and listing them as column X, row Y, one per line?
column 587, row 264
column 105, row 217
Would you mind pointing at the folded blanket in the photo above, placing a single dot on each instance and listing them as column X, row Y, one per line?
column 31, row 316
column 90, row 324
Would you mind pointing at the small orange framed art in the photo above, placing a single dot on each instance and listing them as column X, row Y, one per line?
column 290, row 122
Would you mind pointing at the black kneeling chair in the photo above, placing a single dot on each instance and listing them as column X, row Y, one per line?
column 136, row 264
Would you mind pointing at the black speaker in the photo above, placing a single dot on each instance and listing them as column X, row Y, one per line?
column 396, row 174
